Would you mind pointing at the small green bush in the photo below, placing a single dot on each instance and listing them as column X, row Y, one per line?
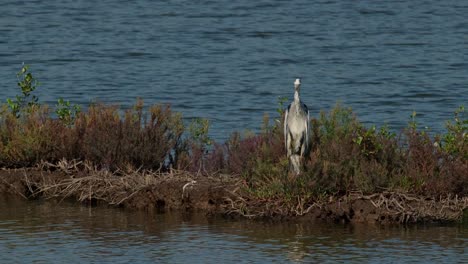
column 67, row 112
column 25, row 101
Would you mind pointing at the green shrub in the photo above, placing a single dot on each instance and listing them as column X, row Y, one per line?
column 455, row 141
column 67, row 112
column 24, row 102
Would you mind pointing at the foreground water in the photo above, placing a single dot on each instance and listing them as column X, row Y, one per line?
column 229, row 61
column 51, row 232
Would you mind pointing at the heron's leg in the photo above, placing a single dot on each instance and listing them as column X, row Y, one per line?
column 303, row 144
column 295, row 163
column 288, row 145
column 297, row 146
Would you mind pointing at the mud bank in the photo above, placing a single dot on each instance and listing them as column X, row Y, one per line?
column 222, row 195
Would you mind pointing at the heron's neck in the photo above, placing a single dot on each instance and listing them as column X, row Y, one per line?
column 296, row 96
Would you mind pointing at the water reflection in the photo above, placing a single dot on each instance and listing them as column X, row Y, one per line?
column 46, row 232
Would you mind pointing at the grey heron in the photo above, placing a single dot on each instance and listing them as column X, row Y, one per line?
column 296, row 130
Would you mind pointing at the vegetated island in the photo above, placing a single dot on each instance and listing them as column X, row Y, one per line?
column 148, row 159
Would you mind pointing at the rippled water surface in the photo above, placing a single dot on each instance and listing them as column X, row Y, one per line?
column 229, row 61
column 47, row 232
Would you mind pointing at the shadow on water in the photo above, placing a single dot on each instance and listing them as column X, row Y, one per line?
column 39, row 230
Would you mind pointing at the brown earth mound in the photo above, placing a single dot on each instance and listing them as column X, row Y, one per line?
column 221, row 195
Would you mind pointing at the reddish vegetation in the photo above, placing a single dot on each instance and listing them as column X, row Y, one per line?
column 101, row 135
column 350, row 167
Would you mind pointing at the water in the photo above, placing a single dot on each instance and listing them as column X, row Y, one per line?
column 47, row 232
column 229, row 61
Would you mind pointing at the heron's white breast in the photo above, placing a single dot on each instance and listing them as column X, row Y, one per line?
column 297, row 125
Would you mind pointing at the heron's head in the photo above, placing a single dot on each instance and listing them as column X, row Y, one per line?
column 297, row 84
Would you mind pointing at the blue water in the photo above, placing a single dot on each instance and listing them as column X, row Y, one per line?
column 229, row 61
column 47, row 232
